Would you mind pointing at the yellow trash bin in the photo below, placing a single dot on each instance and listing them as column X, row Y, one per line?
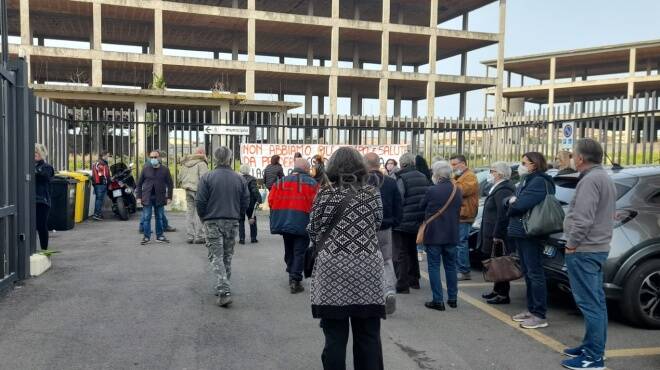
column 82, row 188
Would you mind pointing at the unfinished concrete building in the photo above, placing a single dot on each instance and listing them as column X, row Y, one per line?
column 320, row 49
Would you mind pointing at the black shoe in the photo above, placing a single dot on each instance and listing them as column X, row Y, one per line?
column 144, row 241
column 190, row 241
column 97, row 218
column 296, row 287
column 403, row 291
column 415, row 285
column 253, row 241
column 490, row 295
column 435, row 305
column 452, row 303
column 170, row 229
column 200, row 241
column 499, row 300
column 241, row 242
column 162, row 239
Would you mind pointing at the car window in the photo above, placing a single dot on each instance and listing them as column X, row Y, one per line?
column 565, row 187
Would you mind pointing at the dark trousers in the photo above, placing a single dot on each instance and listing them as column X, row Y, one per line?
column 404, row 256
column 253, row 227
column 42, row 224
column 367, row 348
column 294, row 254
column 531, row 261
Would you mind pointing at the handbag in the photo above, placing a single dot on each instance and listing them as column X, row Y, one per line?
column 501, row 269
column 545, row 218
column 422, row 227
column 313, row 251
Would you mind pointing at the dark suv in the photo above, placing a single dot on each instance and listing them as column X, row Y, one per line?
column 632, row 270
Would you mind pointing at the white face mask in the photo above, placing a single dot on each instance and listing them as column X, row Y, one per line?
column 523, row 171
column 490, row 178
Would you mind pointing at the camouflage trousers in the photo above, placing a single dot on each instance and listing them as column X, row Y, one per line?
column 220, row 240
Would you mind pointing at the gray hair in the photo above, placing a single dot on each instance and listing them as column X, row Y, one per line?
column 407, row 160
column 42, row 150
column 301, row 164
column 441, row 170
column 245, row 169
column 223, row 156
column 590, row 150
column 502, row 168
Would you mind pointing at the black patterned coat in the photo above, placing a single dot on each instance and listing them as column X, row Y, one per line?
column 347, row 280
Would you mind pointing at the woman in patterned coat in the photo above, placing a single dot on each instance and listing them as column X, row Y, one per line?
column 347, row 281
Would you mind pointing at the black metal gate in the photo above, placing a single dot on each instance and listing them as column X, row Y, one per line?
column 16, row 165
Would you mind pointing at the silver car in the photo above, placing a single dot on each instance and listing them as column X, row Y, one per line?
column 632, row 270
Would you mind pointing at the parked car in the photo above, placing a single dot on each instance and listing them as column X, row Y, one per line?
column 632, row 271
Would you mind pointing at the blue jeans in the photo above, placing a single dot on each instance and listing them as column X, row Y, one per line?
column 463, row 249
column 445, row 253
column 101, row 191
column 146, row 220
column 530, row 253
column 585, row 271
column 166, row 223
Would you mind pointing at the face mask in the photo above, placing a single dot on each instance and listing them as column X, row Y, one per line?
column 458, row 173
column 523, row 171
column 154, row 162
column 490, row 178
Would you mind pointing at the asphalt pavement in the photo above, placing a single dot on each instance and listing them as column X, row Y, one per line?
column 110, row 303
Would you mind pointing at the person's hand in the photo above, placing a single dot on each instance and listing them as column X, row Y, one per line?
column 512, row 199
column 169, row 201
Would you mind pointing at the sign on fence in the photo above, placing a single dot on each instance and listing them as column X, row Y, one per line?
column 567, row 134
column 227, row 130
column 257, row 156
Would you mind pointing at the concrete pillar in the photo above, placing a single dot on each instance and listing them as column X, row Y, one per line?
column 399, row 58
column 141, row 113
column 385, row 51
column 251, row 38
column 433, row 39
column 430, row 114
column 95, row 39
column 250, row 5
column 632, row 62
column 249, row 83
column 356, row 10
column 234, row 4
column 308, row 97
column 334, row 50
column 382, row 100
column 356, row 55
column 551, row 90
column 462, row 97
column 310, row 7
column 355, row 101
column 500, row 60
column 433, row 11
column 335, row 9
column 310, row 53
column 386, row 11
column 321, row 109
column 97, row 73
column 414, row 108
column 397, row 101
column 332, row 95
column 158, row 69
column 234, row 47
column 632, row 66
column 26, row 33
column 158, row 33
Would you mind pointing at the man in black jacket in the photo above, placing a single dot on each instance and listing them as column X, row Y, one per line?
column 251, row 211
column 412, row 185
column 392, row 212
column 154, row 190
column 222, row 197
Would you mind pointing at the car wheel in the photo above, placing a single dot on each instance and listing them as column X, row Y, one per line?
column 641, row 295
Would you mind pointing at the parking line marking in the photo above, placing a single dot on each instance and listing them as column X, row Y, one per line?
column 479, row 285
column 633, row 352
column 547, row 341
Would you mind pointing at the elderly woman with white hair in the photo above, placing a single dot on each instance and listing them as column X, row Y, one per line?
column 494, row 224
column 43, row 174
column 442, row 207
column 251, row 211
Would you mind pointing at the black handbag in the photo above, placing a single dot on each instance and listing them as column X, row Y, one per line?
column 313, row 251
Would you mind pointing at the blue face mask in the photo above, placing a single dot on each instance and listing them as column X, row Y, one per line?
column 154, row 162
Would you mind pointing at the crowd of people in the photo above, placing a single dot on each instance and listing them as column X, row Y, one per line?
column 367, row 220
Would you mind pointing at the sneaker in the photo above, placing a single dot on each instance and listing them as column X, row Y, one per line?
column 144, row 241
column 490, row 295
column 584, row 362
column 97, row 218
column 296, row 287
column 500, row 299
column 170, row 229
column 534, row 322
column 521, row 316
column 463, row 276
column 224, row 300
column 573, row 352
column 162, row 239
column 390, row 304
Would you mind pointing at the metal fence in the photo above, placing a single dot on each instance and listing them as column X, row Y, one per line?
column 77, row 135
column 17, row 220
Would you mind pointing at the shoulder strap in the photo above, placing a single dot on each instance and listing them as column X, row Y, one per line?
column 444, row 208
column 335, row 219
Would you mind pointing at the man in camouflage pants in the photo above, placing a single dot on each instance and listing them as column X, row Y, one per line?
column 222, row 197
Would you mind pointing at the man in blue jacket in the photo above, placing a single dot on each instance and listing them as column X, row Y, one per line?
column 392, row 213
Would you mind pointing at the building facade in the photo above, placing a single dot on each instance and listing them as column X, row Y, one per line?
column 320, row 49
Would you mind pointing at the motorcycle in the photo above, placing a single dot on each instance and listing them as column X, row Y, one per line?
column 122, row 190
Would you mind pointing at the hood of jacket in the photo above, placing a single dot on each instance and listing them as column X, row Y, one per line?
column 191, row 160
